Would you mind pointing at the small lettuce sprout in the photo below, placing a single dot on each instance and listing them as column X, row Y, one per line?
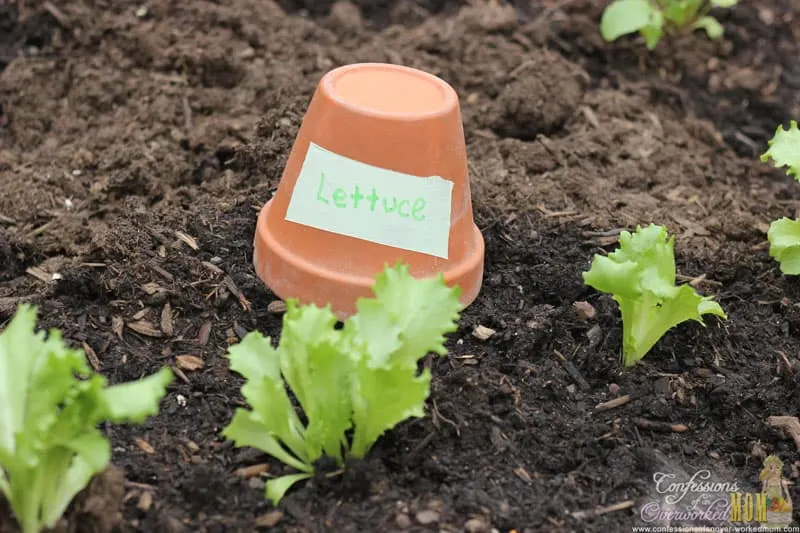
column 640, row 275
column 50, row 406
column 654, row 18
column 784, row 234
column 784, row 244
column 784, row 149
column 362, row 378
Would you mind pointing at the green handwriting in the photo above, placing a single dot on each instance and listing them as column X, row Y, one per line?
column 355, row 199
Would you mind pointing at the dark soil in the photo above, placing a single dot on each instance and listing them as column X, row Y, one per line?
column 123, row 123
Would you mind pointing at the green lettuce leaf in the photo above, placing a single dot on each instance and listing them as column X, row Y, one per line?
column 317, row 371
column 622, row 17
column 784, row 244
column 724, row 3
column 16, row 369
column 309, row 361
column 640, row 275
column 681, row 13
column 406, row 320
column 276, row 488
column 272, row 425
column 83, row 457
column 50, row 406
column 135, row 401
column 712, row 27
column 363, row 376
column 654, row 31
column 784, row 149
column 421, row 310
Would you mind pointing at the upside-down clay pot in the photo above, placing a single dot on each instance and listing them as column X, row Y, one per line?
column 377, row 174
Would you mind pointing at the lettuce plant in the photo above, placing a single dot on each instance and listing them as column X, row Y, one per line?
column 640, row 275
column 654, row 18
column 50, row 406
column 363, row 378
column 784, row 149
column 784, row 234
column 784, row 244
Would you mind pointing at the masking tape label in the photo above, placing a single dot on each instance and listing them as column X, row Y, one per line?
column 340, row 195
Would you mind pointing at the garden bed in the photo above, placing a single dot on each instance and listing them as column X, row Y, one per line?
column 138, row 141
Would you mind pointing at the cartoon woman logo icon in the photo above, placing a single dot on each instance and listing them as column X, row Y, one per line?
column 779, row 502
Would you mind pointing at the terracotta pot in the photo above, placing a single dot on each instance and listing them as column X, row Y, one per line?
column 377, row 174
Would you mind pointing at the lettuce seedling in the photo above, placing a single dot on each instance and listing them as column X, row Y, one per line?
column 784, row 149
column 363, row 377
column 50, row 406
column 654, row 18
column 640, row 275
column 784, row 244
column 784, row 234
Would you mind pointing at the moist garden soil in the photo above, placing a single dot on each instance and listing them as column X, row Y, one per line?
column 139, row 139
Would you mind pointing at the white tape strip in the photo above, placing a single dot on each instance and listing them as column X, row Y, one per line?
column 340, row 195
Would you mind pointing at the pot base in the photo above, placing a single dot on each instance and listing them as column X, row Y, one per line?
column 289, row 275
